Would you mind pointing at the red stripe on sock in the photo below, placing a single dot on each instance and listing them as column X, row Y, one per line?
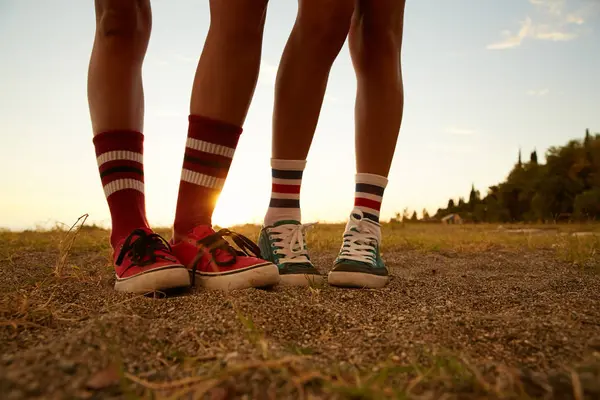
column 118, row 140
column 362, row 202
column 281, row 188
column 214, row 131
column 206, row 163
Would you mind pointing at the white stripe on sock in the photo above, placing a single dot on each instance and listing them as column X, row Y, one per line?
column 275, row 195
column 211, row 148
column 372, row 179
column 201, row 179
column 288, row 165
column 291, row 182
column 122, row 184
column 119, row 155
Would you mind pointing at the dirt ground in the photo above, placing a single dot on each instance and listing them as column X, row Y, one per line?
column 499, row 322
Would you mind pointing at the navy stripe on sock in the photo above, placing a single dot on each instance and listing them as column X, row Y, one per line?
column 283, row 174
column 371, row 189
column 372, row 217
column 122, row 168
column 284, row 203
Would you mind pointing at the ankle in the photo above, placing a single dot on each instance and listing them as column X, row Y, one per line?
column 119, row 235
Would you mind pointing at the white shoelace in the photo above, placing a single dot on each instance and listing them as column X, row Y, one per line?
column 360, row 241
column 289, row 242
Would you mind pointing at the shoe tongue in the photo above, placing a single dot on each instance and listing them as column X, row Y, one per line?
column 353, row 226
column 286, row 222
column 202, row 231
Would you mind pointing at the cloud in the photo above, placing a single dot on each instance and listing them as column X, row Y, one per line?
column 540, row 92
column 556, row 21
column 460, row 131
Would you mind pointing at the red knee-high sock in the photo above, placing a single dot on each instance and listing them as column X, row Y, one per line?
column 208, row 153
column 120, row 160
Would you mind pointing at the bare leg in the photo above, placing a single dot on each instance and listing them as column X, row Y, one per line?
column 115, row 93
column 375, row 44
column 223, row 89
column 318, row 35
column 116, row 102
column 228, row 68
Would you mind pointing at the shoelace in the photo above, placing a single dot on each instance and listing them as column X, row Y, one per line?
column 290, row 242
column 216, row 243
column 142, row 247
column 360, row 242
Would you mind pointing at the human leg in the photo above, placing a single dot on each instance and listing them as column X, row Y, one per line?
column 375, row 44
column 318, row 34
column 223, row 89
column 143, row 261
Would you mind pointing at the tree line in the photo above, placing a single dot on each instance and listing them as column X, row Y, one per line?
column 565, row 187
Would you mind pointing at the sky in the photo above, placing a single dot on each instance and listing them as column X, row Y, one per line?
column 482, row 79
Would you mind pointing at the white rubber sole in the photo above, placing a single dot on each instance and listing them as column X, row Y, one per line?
column 264, row 275
column 357, row 280
column 301, row 280
column 168, row 277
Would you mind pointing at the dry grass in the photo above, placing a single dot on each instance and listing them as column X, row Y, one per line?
column 473, row 311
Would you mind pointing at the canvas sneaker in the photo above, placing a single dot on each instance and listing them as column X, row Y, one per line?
column 212, row 260
column 284, row 244
column 144, row 263
column 359, row 263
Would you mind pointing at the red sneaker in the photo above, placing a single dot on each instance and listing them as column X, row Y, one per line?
column 144, row 263
column 210, row 258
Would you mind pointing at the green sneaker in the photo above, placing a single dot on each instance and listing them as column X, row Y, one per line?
column 359, row 263
column 284, row 244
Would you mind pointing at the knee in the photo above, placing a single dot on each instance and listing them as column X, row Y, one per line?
column 376, row 35
column 124, row 22
column 324, row 28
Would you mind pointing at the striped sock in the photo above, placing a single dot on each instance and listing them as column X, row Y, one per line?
column 369, row 193
column 120, row 160
column 285, row 191
column 208, row 154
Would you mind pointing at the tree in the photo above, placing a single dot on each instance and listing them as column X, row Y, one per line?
column 414, row 217
column 405, row 215
column 474, row 198
column 587, row 205
column 533, row 158
column 568, row 182
column 425, row 214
